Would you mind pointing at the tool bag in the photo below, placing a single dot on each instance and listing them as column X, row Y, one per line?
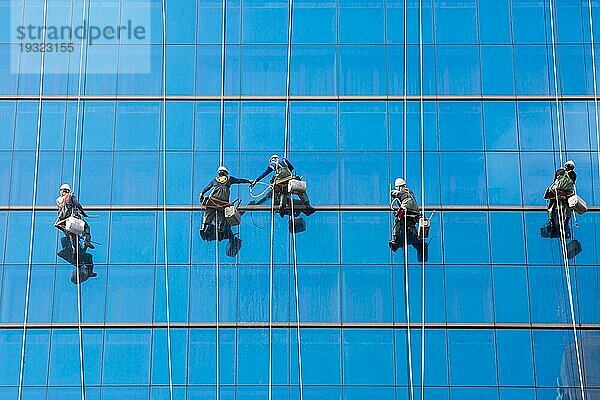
column 232, row 214
column 573, row 249
column 577, row 204
column 296, row 186
column 296, row 225
column 424, row 225
column 74, row 225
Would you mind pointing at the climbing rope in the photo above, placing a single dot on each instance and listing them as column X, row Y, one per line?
column 422, row 120
column 563, row 237
column 33, row 205
column 271, row 296
column 296, row 292
column 164, row 199
column 74, row 180
column 287, row 82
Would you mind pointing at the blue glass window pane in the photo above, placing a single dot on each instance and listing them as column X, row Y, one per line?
column 436, row 365
column 430, row 79
column 181, row 22
column 359, row 121
column 414, row 8
column 132, row 393
column 264, row 21
column 178, row 236
column 209, row 21
column 178, row 293
column 395, row 70
column 133, row 283
column 313, row 126
column 253, row 284
column 358, row 393
column 10, row 356
column 587, row 288
column 570, row 15
column 135, row 178
column 41, row 289
column 180, row 125
column 497, row 70
column 362, row 70
column 511, row 303
column 507, row 242
column 503, row 180
column 555, row 359
column 35, row 368
column 202, row 361
column 64, row 358
column 140, row 70
column 365, row 231
column 575, row 74
column 312, row 71
column 98, row 133
column 369, row 15
column 179, row 178
column 368, row 357
column 8, row 86
column 515, row 364
column 26, row 126
column 130, row 350
column 459, row 250
column 500, row 125
column 413, row 122
column 321, row 357
column 105, row 59
column 469, row 294
column 470, row 393
column 7, row 124
column 139, row 226
column 531, row 70
column 208, row 69
column 472, row 357
column 319, row 293
column 133, row 118
column 19, row 231
column 180, row 70
column 494, row 21
column 549, row 294
column 537, row 173
column 253, row 357
column 53, row 125
column 314, row 21
column 324, row 247
column 264, row 70
column 460, row 126
column 530, row 21
column 366, row 294
column 517, row 394
column 460, row 171
column 458, row 70
column 262, row 123
column 160, row 362
column 367, row 171
column 577, row 125
column 539, row 250
column 455, row 22
column 321, row 172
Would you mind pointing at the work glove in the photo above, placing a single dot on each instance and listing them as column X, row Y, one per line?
column 400, row 213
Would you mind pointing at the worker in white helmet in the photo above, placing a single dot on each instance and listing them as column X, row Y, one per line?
column 558, row 199
column 407, row 213
column 220, row 190
column 69, row 206
column 284, row 172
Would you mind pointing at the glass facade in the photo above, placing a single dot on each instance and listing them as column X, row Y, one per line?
column 496, row 121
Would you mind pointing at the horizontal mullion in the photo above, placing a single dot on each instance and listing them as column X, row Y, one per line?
column 323, row 208
column 306, row 325
column 30, row 97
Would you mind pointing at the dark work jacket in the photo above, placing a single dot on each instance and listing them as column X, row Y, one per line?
column 282, row 169
column 221, row 186
column 68, row 205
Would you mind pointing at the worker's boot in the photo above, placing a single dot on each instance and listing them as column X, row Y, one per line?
column 203, row 231
column 90, row 272
column 394, row 244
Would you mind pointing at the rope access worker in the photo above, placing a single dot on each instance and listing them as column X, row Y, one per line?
column 284, row 173
column 409, row 212
column 69, row 206
column 217, row 200
column 558, row 199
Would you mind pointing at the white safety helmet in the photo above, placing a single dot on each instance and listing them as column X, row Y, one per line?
column 399, row 182
column 222, row 169
column 274, row 158
column 65, row 186
column 570, row 164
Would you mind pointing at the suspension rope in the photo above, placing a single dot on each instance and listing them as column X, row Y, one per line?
column 558, row 125
column 75, row 149
column 407, row 300
column 271, row 295
column 287, row 82
column 164, row 199
column 422, row 121
column 563, row 236
column 34, row 202
column 296, row 292
column 221, row 162
column 591, row 19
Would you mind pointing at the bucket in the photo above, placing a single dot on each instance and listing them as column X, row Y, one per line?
column 296, row 186
column 577, row 204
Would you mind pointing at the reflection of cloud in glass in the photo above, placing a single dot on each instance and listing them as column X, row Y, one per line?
column 589, row 350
